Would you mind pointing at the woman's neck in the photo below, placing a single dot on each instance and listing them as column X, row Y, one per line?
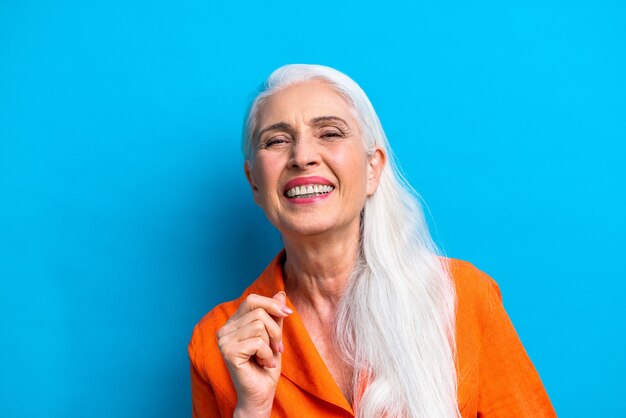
column 318, row 269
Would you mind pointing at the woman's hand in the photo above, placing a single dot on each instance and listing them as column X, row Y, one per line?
column 251, row 344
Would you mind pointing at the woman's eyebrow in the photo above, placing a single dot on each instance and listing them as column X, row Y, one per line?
column 320, row 119
column 280, row 126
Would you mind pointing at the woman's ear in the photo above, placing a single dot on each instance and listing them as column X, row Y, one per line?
column 376, row 164
column 248, row 169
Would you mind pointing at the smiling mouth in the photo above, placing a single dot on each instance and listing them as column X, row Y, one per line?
column 308, row 190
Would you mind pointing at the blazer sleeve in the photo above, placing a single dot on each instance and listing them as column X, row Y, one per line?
column 204, row 404
column 204, row 401
column 509, row 385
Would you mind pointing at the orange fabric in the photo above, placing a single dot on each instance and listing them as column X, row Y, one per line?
column 496, row 377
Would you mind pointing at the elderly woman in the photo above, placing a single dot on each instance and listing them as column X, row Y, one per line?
column 359, row 315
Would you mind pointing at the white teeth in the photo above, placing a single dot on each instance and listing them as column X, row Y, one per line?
column 310, row 189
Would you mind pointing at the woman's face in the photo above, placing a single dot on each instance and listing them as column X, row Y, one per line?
column 310, row 172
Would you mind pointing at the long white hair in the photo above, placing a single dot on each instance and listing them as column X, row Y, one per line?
column 395, row 324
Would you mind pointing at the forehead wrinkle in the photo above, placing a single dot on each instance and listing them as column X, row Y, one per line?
column 315, row 121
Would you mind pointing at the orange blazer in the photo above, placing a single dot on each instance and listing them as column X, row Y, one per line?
column 495, row 376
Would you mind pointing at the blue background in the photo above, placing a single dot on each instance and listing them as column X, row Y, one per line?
column 125, row 215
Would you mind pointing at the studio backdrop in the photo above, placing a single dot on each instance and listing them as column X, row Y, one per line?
column 125, row 214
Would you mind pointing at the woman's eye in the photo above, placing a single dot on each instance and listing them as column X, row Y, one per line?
column 274, row 142
column 332, row 134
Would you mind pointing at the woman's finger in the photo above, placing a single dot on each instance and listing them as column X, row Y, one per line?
column 281, row 297
column 271, row 305
column 250, row 330
column 257, row 323
column 243, row 350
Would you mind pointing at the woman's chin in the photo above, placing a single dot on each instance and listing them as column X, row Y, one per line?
column 305, row 232
column 313, row 228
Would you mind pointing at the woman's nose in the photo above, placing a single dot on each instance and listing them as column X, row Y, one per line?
column 304, row 154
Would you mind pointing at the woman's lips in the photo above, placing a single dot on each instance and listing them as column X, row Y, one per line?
column 301, row 181
column 308, row 189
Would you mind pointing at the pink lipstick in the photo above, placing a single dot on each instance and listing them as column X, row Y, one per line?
column 310, row 189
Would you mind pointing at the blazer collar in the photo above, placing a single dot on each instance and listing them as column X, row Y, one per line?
column 302, row 363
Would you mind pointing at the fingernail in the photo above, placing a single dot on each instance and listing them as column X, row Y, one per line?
column 273, row 363
column 287, row 310
column 281, row 347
